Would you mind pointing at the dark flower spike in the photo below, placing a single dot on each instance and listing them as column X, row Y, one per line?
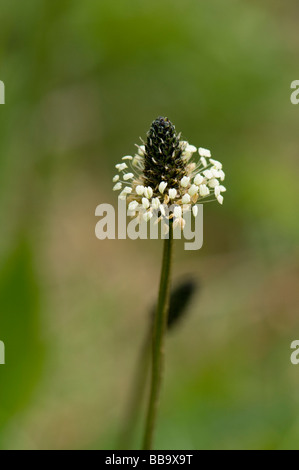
column 163, row 159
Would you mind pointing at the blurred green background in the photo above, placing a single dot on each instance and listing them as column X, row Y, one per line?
column 83, row 81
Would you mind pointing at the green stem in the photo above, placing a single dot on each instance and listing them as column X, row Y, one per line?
column 160, row 326
column 136, row 397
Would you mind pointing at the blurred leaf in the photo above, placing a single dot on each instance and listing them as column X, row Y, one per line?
column 180, row 299
column 19, row 330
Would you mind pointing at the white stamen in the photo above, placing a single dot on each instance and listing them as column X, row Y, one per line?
column 117, row 187
column 213, row 183
column 121, row 166
column 186, row 199
column 222, row 175
column 188, row 151
column 220, row 199
column 191, row 167
column 195, row 211
column 183, row 144
column 198, row 179
column 204, row 190
column 215, row 173
column 172, row 193
column 145, row 203
column 140, row 190
column 127, row 157
column 204, row 152
column 128, row 176
column 115, row 179
column 155, row 203
column 204, row 162
column 191, row 149
column 216, row 164
column 148, row 192
column 193, row 190
column 185, row 181
column 208, row 174
column 133, row 206
column 141, row 150
column 162, row 187
column 127, row 190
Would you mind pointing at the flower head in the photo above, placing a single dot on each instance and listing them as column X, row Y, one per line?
column 164, row 172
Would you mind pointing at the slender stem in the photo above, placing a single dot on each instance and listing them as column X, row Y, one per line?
column 137, row 394
column 160, row 326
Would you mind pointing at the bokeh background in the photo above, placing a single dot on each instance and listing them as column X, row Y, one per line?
column 83, row 81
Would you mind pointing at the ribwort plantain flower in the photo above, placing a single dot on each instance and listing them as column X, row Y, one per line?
column 164, row 172
column 165, row 180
